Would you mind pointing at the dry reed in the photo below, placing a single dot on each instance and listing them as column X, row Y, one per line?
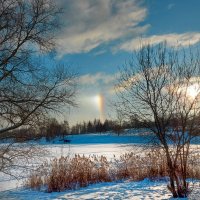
column 80, row 171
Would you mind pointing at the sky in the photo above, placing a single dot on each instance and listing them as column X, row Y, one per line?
column 98, row 36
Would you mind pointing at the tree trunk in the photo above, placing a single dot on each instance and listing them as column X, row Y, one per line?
column 171, row 169
column 172, row 186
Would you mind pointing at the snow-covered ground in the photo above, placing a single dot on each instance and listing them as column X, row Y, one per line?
column 124, row 190
column 97, row 144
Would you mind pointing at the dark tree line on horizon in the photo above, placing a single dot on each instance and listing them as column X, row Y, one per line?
column 52, row 128
column 96, row 126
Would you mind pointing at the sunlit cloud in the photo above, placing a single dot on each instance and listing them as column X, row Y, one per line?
column 193, row 90
column 189, row 88
column 172, row 40
column 88, row 24
column 129, row 81
column 126, row 84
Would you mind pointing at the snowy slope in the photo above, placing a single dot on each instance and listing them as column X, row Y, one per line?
column 125, row 190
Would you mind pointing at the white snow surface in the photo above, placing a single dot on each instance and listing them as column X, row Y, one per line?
column 94, row 144
column 124, row 190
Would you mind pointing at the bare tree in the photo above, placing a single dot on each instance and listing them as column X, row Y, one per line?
column 161, row 86
column 29, row 91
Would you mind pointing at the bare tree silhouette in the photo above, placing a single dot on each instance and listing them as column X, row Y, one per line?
column 29, row 91
column 156, row 87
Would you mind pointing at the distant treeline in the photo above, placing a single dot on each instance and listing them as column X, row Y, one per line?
column 52, row 128
column 97, row 126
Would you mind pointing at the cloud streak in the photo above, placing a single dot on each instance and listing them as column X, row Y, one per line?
column 98, row 78
column 172, row 40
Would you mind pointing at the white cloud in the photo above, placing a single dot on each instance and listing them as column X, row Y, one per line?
column 172, row 40
column 98, row 78
column 90, row 23
column 99, row 83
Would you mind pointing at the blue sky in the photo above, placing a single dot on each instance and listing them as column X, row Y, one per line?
column 98, row 36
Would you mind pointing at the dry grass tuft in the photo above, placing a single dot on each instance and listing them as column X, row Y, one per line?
column 80, row 171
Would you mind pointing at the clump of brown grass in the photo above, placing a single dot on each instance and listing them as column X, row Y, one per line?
column 137, row 167
column 70, row 173
column 194, row 166
column 80, row 171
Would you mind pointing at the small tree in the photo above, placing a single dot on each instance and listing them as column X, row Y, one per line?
column 161, row 85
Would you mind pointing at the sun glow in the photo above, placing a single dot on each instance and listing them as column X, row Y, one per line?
column 193, row 90
column 99, row 101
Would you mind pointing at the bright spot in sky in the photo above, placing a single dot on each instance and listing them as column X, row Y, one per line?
column 193, row 90
column 99, row 102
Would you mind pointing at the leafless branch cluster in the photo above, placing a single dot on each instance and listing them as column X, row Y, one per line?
column 29, row 90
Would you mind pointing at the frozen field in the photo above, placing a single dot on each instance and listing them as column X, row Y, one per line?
column 104, row 144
